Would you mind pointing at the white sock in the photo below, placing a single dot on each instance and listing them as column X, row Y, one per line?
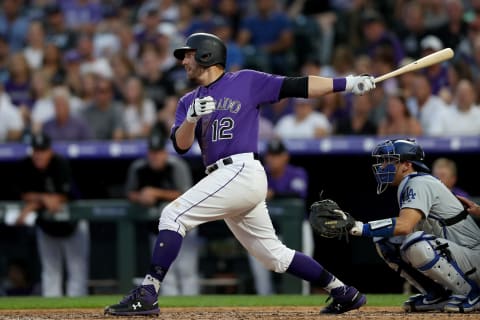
column 152, row 281
column 335, row 283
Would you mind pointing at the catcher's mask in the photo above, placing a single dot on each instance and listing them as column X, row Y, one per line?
column 209, row 49
column 388, row 153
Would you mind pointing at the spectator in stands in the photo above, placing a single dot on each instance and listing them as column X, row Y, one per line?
column 437, row 74
column 167, row 39
column 87, row 90
column 56, row 29
column 123, row 69
column 18, row 86
column 139, row 112
column 266, row 130
column 104, row 115
column 202, row 20
column 446, row 170
column 377, row 35
column 64, row 126
column 4, row 57
column 305, row 122
column 106, row 41
column 316, row 28
column 341, row 63
column 152, row 182
column 73, row 78
column 398, row 120
column 231, row 11
column 412, row 28
column 149, row 18
column 13, row 24
column 168, row 10
column 81, row 15
column 185, row 16
column 35, row 46
column 425, row 106
column 406, row 81
column 166, row 116
column 383, row 62
column 223, row 29
column 11, row 123
column 90, row 63
column 155, row 82
column 454, row 29
column 46, row 187
column 127, row 41
column 268, row 37
column 52, row 64
column 42, row 109
column 463, row 117
column 358, row 121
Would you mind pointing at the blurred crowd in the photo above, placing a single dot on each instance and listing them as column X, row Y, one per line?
column 104, row 69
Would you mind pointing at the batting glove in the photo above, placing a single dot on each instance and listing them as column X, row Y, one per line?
column 360, row 84
column 199, row 108
column 357, row 229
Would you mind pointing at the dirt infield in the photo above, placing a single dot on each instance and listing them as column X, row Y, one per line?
column 241, row 313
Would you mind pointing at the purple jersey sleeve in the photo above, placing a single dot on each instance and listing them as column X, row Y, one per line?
column 233, row 127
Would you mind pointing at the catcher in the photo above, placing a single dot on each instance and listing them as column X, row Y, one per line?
column 433, row 243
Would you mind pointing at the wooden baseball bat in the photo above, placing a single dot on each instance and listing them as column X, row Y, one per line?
column 424, row 62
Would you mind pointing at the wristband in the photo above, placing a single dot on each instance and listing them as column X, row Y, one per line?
column 339, row 84
column 379, row 228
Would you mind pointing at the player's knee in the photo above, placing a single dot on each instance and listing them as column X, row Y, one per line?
column 389, row 248
column 277, row 259
column 169, row 220
column 418, row 250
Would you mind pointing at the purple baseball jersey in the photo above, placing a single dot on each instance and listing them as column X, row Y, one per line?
column 233, row 127
column 294, row 182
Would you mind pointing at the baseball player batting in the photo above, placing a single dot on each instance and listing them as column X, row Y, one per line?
column 223, row 115
column 433, row 243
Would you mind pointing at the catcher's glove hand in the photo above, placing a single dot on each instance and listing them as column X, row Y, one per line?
column 328, row 220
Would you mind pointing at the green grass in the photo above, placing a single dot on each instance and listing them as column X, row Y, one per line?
column 99, row 301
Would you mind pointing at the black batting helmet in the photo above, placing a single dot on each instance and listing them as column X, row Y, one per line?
column 209, row 49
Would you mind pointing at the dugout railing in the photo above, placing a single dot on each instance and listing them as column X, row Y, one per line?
column 288, row 214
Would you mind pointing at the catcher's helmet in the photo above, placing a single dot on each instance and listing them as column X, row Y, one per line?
column 390, row 152
column 209, row 49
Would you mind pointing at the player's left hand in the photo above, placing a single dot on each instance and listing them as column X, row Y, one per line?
column 357, row 229
column 359, row 85
column 199, row 108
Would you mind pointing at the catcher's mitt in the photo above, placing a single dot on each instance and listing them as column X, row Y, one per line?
column 328, row 220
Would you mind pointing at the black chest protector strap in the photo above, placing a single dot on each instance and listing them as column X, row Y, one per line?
column 445, row 222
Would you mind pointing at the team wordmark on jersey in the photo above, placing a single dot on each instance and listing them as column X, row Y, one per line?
column 228, row 104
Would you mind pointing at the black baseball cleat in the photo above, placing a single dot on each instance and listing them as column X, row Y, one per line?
column 345, row 298
column 141, row 301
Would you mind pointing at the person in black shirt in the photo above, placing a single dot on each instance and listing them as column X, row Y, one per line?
column 45, row 187
column 155, row 180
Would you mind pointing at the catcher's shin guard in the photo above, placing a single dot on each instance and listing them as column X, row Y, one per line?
column 389, row 250
column 431, row 256
column 142, row 300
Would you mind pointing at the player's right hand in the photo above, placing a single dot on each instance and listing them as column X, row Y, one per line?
column 360, row 84
column 199, row 108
